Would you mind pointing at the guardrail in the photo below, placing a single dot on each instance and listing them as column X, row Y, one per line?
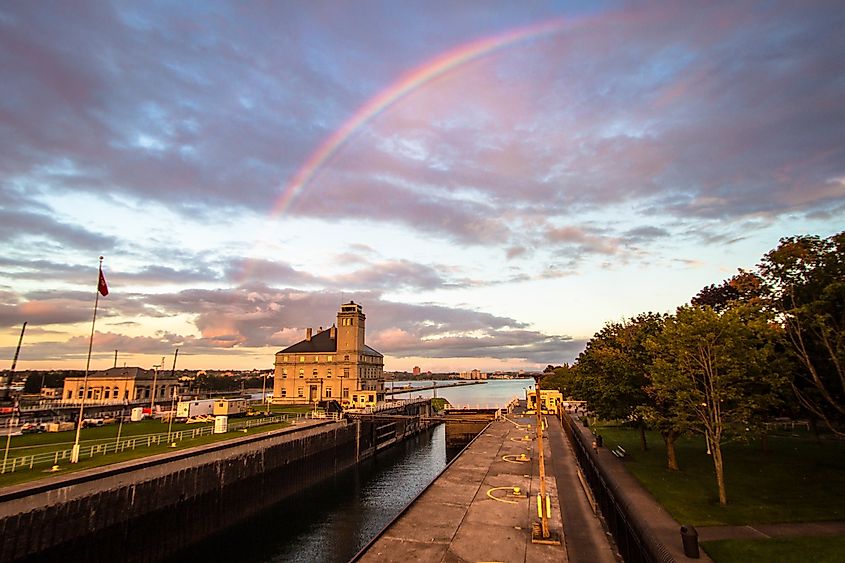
column 635, row 543
column 131, row 443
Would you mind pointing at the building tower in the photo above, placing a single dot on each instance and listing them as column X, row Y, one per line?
column 350, row 329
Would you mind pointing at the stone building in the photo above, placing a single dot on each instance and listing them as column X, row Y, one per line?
column 333, row 364
column 116, row 385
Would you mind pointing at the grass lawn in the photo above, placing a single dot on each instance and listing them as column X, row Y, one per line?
column 50, row 441
column 796, row 480
column 787, row 550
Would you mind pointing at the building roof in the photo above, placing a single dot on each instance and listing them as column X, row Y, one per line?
column 131, row 372
column 321, row 343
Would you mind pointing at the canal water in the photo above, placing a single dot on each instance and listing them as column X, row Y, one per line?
column 330, row 522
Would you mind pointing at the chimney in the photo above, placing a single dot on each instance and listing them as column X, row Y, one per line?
column 308, row 334
column 333, row 332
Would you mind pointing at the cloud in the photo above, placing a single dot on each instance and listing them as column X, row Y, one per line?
column 624, row 137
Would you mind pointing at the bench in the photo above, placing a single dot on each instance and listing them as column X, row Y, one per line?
column 619, row 452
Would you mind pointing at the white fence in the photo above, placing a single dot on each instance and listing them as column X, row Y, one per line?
column 107, row 446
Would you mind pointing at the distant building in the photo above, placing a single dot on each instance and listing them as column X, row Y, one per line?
column 474, row 374
column 334, row 364
column 417, row 370
column 51, row 392
column 549, row 400
column 116, row 385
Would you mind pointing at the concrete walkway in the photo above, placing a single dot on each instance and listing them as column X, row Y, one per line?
column 470, row 512
column 586, row 539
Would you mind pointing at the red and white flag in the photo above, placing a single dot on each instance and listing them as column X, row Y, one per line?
column 101, row 285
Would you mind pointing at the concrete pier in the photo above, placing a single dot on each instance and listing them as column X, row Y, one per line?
column 483, row 507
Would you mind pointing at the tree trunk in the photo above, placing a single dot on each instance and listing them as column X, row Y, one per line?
column 643, row 443
column 671, row 458
column 720, row 470
column 814, row 429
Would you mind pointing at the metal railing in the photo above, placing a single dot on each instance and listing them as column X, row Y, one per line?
column 635, row 542
column 107, row 446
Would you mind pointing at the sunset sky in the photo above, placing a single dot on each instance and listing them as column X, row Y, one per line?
column 492, row 181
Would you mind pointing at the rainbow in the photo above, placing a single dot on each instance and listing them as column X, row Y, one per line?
column 399, row 89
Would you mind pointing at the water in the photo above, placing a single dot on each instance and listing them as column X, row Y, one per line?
column 494, row 393
column 331, row 521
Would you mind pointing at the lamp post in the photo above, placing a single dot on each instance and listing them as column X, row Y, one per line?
column 172, row 414
column 264, row 394
column 120, row 424
column 153, row 390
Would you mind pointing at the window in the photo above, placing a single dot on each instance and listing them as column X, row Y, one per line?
column 346, row 358
column 329, row 358
column 284, row 373
column 345, row 372
column 300, row 392
column 301, row 373
column 106, row 393
column 314, row 372
column 116, row 391
column 284, row 358
column 284, row 392
column 301, row 359
column 317, row 359
column 69, row 394
column 329, row 373
column 346, row 393
column 328, row 392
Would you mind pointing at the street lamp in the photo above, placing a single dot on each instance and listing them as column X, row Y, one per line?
column 264, row 394
column 153, row 390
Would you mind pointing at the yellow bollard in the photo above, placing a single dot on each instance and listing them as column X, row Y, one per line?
column 539, row 506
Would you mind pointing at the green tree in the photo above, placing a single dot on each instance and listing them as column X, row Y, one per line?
column 805, row 279
column 716, row 373
column 612, row 371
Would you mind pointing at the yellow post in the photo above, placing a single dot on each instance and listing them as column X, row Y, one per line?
column 544, row 521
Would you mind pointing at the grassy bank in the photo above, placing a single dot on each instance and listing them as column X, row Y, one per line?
column 796, row 479
column 788, row 550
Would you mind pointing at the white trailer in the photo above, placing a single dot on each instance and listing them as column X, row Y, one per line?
column 231, row 407
column 197, row 407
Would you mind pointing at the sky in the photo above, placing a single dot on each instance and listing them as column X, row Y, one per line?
column 492, row 181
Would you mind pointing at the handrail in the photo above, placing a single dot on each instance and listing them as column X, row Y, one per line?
column 129, row 443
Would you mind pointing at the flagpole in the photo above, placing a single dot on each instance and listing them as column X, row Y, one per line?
column 74, row 453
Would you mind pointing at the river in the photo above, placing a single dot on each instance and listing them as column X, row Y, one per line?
column 333, row 520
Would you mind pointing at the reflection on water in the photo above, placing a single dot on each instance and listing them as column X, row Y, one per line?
column 333, row 520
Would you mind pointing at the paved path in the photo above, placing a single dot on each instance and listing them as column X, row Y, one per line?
column 586, row 539
column 768, row 531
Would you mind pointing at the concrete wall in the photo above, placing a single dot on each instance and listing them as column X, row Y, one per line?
column 146, row 510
